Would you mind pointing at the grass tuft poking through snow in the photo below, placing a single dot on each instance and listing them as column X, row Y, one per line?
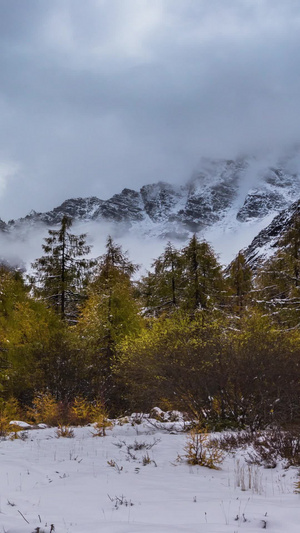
column 131, row 482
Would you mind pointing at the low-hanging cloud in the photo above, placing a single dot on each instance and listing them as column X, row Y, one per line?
column 21, row 248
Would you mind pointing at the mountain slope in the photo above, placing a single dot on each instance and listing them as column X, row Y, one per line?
column 225, row 201
column 265, row 244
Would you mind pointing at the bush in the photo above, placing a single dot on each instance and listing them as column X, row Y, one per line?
column 81, row 411
column 45, row 409
column 229, row 441
column 4, row 425
column 273, row 445
column 65, row 431
column 101, row 425
column 84, row 412
column 202, row 451
column 266, row 448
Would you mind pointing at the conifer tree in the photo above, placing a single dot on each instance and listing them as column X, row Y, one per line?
column 162, row 288
column 290, row 243
column 110, row 313
column 240, row 282
column 60, row 274
column 202, row 276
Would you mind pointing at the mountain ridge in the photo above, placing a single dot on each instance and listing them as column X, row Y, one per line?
column 223, row 199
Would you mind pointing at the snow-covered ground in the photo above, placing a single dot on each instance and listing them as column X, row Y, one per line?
column 92, row 484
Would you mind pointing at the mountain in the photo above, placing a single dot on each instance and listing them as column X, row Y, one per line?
column 225, row 201
column 265, row 244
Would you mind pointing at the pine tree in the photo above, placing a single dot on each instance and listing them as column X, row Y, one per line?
column 59, row 275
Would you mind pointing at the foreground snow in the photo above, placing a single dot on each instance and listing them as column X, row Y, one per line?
column 91, row 485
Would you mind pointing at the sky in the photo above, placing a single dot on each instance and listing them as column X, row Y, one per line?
column 98, row 95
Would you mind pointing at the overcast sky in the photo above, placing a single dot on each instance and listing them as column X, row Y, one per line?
column 97, row 95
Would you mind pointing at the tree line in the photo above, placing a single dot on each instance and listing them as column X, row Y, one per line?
column 221, row 344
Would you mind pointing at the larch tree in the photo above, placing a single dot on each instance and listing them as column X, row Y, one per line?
column 161, row 288
column 109, row 314
column 202, row 276
column 239, row 282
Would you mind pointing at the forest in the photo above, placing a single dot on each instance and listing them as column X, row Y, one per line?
column 222, row 345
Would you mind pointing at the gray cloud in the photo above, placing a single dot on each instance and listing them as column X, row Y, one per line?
column 103, row 94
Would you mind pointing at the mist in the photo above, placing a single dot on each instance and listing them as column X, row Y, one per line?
column 23, row 244
column 21, row 249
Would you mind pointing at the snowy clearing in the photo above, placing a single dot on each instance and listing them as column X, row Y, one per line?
column 91, row 484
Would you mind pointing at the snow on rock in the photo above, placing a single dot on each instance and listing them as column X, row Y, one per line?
column 20, row 424
column 266, row 242
column 226, row 202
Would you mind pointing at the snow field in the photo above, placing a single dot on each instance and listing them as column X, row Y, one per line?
column 92, row 484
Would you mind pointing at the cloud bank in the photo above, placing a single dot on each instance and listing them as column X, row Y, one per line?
column 103, row 94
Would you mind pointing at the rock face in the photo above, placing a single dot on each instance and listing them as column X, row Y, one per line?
column 266, row 242
column 76, row 208
column 3, row 226
column 211, row 192
column 124, row 207
column 217, row 186
column 221, row 196
column 162, row 201
column 258, row 203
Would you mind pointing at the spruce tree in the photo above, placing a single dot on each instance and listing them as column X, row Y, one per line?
column 60, row 274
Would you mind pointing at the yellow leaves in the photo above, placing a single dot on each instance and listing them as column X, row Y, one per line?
column 31, row 324
column 9, row 410
column 102, row 425
column 84, row 412
column 81, row 410
column 200, row 450
column 4, row 425
column 110, row 313
column 45, row 409
column 48, row 410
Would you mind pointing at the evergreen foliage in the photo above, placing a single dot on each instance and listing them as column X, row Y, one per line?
column 203, row 281
column 60, row 274
column 189, row 279
column 162, row 288
column 224, row 347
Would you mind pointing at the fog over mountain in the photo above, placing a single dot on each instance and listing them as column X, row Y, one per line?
column 214, row 203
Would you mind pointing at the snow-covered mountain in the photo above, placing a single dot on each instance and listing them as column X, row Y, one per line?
column 266, row 243
column 225, row 201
